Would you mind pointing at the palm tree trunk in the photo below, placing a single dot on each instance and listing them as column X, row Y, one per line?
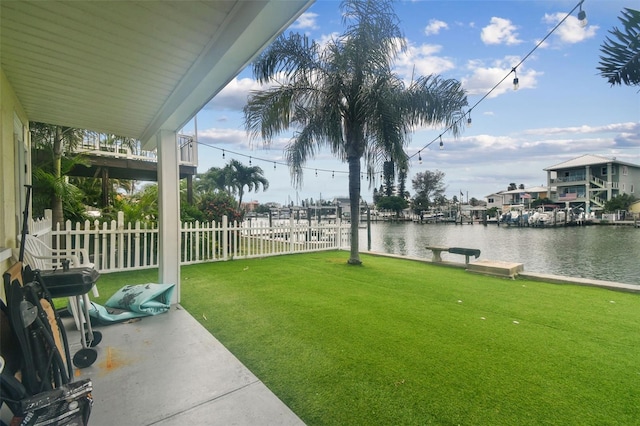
column 354, row 208
column 240, row 194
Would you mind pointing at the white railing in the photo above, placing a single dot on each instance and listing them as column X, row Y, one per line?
column 596, row 180
column 118, row 247
column 105, row 146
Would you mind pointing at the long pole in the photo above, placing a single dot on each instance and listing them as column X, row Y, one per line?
column 25, row 223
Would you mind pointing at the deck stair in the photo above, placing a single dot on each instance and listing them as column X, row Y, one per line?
column 598, row 182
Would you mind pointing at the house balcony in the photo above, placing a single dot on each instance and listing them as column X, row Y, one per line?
column 120, row 160
column 569, row 180
column 98, row 145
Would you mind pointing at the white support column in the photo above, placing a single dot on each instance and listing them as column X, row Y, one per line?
column 609, row 182
column 587, row 189
column 169, row 210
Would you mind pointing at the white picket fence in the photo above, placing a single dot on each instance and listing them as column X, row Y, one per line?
column 117, row 246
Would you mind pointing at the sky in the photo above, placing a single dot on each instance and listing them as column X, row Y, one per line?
column 562, row 109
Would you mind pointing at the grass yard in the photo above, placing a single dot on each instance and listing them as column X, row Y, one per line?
column 401, row 342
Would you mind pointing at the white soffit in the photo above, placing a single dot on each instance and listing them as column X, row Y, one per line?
column 131, row 68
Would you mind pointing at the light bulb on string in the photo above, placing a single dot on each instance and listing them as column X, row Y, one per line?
column 332, row 175
column 274, row 165
column 249, row 160
column 582, row 16
column 583, row 21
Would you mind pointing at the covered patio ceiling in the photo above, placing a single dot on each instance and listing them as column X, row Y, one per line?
column 131, row 68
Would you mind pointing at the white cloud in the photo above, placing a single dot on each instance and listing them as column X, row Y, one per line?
column 422, row 60
column 570, row 31
column 234, row 95
column 484, row 77
column 326, row 38
column 493, row 142
column 238, row 139
column 222, row 136
column 500, row 31
column 306, row 21
column 434, row 26
column 629, row 127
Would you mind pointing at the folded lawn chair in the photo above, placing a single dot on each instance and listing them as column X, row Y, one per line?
column 39, row 389
column 36, row 384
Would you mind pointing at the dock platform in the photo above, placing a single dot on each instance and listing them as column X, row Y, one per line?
column 496, row 267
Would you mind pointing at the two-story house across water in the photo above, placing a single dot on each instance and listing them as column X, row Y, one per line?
column 591, row 181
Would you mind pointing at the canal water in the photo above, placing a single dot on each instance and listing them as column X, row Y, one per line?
column 610, row 253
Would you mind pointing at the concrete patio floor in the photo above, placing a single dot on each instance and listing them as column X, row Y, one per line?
column 169, row 370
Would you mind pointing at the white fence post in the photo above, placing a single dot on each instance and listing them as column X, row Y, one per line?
column 225, row 238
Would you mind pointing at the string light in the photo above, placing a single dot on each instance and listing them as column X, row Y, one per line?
column 582, row 16
column 486, row 95
column 274, row 165
column 583, row 21
column 332, row 174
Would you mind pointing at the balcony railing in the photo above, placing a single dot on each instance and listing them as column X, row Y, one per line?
column 108, row 146
column 574, row 178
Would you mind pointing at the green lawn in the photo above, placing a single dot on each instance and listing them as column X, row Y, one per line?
column 402, row 342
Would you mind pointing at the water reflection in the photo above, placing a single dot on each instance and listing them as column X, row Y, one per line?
column 601, row 252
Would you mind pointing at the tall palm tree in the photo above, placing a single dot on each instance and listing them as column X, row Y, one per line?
column 620, row 62
column 344, row 96
column 238, row 176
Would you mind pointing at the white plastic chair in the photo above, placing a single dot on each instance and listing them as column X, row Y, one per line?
column 38, row 255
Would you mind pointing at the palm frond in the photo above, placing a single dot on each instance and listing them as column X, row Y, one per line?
column 620, row 62
column 289, row 55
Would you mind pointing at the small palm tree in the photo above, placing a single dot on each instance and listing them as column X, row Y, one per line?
column 620, row 62
column 214, row 179
column 345, row 97
column 240, row 176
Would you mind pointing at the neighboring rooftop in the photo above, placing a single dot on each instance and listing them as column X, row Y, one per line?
column 587, row 160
